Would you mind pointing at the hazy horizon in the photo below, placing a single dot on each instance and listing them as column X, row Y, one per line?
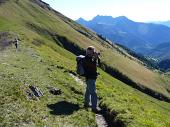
column 136, row 10
column 126, row 17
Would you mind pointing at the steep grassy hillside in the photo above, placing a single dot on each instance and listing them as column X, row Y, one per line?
column 42, row 61
column 21, row 18
column 27, row 67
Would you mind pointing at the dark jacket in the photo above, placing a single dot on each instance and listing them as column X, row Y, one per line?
column 90, row 67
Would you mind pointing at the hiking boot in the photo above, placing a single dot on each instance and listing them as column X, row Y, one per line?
column 96, row 110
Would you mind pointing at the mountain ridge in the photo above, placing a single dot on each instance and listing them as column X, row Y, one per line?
column 166, row 23
column 137, row 36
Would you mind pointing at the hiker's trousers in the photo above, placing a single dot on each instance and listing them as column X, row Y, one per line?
column 90, row 93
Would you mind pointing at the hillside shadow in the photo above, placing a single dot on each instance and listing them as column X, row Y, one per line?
column 63, row 108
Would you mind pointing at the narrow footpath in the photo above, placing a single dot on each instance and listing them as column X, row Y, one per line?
column 100, row 119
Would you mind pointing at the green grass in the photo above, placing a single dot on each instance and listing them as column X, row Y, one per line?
column 24, row 12
column 39, row 66
column 25, row 67
column 49, row 65
column 132, row 107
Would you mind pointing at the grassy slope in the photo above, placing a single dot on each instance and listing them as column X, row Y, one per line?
column 128, row 67
column 25, row 67
column 30, row 66
column 54, row 24
column 132, row 107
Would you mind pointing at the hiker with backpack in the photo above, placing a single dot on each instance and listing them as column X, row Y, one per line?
column 16, row 43
column 89, row 70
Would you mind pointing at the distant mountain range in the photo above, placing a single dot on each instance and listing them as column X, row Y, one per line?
column 139, row 37
column 166, row 23
column 161, row 51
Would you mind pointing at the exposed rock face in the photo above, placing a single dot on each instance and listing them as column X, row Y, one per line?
column 36, row 91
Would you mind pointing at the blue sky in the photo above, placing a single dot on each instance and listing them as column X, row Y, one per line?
column 137, row 10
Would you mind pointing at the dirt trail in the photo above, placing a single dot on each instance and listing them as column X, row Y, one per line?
column 100, row 120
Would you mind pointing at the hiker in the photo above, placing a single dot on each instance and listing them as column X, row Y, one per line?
column 16, row 43
column 90, row 67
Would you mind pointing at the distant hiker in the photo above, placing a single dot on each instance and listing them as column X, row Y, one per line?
column 90, row 67
column 16, row 43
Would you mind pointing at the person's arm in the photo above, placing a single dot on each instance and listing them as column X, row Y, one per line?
column 99, row 62
column 97, row 59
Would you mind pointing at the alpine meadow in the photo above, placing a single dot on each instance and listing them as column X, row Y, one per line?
column 130, row 93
